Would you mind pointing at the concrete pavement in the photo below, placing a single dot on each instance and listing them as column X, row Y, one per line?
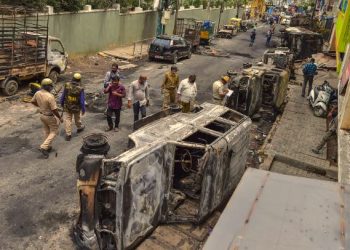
column 296, row 133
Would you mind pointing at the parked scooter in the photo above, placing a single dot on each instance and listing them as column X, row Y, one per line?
column 319, row 98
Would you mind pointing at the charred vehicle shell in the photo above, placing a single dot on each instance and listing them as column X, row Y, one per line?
column 262, row 84
column 247, row 91
column 198, row 156
column 302, row 42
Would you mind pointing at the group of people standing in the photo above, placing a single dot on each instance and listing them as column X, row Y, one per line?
column 72, row 100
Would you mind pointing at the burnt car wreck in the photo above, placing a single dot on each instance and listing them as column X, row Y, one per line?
column 196, row 156
column 262, row 84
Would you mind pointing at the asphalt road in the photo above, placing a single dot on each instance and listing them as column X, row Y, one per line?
column 38, row 197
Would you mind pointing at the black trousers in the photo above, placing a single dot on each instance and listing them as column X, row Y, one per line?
column 109, row 117
column 307, row 79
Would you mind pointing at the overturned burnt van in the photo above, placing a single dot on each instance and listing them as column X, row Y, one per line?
column 261, row 84
column 197, row 156
column 247, row 91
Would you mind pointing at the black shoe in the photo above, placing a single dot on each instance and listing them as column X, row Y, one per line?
column 49, row 149
column 81, row 129
column 44, row 152
column 315, row 151
column 68, row 137
column 108, row 129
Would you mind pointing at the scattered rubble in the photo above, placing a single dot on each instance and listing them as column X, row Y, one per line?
column 209, row 51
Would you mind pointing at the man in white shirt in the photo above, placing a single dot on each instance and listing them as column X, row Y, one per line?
column 187, row 93
column 139, row 96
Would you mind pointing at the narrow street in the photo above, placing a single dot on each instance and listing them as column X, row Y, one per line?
column 39, row 203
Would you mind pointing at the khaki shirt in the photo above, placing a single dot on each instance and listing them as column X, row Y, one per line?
column 171, row 81
column 187, row 91
column 218, row 90
column 46, row 102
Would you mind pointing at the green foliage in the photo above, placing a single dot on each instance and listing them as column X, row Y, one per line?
column 205, row 4
column 187, row 4
column 212, row 4
column 217, row 4
column 100, row 4
column 197, row 3
column 36, row 4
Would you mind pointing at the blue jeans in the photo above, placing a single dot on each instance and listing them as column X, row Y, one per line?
column 137, row 109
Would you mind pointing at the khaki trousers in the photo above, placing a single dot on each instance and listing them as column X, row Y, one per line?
column 218, row 102
column 68, row 121
column 51, row 128
column 186, row 107
column 169, row 97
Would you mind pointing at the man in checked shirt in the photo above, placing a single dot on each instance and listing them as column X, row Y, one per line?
column 309, row 72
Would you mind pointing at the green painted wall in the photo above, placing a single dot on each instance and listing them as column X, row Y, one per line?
column 89, row 32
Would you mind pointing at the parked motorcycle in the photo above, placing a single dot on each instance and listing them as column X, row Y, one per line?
column 320, row 97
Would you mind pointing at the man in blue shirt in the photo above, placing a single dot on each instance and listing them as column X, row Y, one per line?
column 309, row 72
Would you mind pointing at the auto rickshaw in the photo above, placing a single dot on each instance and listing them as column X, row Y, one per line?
column 238, row 24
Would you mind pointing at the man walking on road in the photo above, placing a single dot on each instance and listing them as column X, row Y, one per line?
column 111, row 74
column 116, row 93
column 139, row 95
column 169, row 86
column 252, row 37
column 219, row 90
column 49, row 114
column 73, row 102
column 187, row 93
column 309, row 71
column 268, row 37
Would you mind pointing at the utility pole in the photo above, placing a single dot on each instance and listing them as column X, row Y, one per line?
column 312, row 15
column 221, row 10
column 176, row 16
column 237, row 6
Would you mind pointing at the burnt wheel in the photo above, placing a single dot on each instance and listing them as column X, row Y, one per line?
column 10, row 87
column 53, row 76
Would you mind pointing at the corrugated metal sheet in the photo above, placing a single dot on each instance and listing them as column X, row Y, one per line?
column 270, row 211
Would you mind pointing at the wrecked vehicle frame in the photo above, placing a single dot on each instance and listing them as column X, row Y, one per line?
column 198, row 156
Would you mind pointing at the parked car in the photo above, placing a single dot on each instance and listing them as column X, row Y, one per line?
column 170, row 48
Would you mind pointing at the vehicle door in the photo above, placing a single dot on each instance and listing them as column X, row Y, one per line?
column 145, row 187
column 56, row 55
column 178, row 47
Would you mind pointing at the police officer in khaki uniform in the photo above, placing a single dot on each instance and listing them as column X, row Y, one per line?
column 219, row 90
column 73, row 102
column 169, row 87
column 49, row 114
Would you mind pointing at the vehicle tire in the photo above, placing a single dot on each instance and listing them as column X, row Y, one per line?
column 319, row 112
column 53, row 76
column 175, row 58
column 189, row 55
column 10, row 87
